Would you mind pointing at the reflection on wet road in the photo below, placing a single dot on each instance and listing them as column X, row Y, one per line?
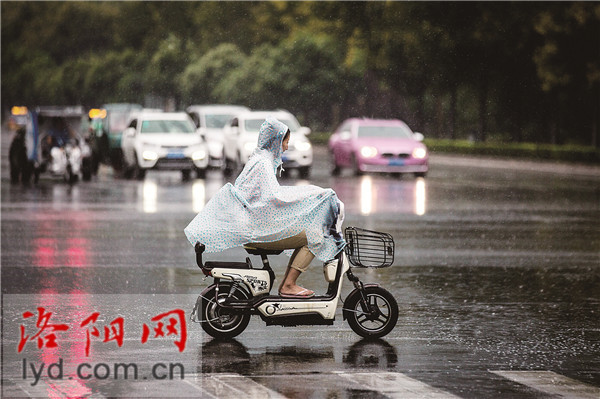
column 368, row 195
column 496, row 274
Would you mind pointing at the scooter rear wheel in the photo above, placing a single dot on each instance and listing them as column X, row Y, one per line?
column 375, row 317
column 220, row 322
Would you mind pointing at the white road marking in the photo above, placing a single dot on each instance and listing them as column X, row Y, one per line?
column 231, row 386
column 393, row 385
column 57, row 389
column 396, row 385
column 552, row 383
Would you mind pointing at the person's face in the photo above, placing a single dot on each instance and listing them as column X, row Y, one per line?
column 285, row 142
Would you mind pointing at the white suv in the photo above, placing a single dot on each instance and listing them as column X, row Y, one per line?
column 210, row 120
column 241, row 137
column 163, row 140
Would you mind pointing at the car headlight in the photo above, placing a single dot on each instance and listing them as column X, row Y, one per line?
column 419, row 153
column 149, row 155
column 368, row 152
column 249, row 146
column 302, row 146
column 198, row 155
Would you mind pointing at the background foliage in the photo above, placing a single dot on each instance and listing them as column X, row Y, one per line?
column 485, row 71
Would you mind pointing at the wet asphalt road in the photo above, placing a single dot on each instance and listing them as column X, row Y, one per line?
column 497, row 276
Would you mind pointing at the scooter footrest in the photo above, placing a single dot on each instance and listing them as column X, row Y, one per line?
column 310, row 319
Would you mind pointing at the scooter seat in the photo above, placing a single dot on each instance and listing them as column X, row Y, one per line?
column 260, row 251
column 227, row 265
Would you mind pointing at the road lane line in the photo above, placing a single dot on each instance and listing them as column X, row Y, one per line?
column 551, row 383
column 396, row 385
column 198, row 387
column 57, row 389
column 232, row 386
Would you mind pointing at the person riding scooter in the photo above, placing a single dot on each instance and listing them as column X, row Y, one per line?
column 256, row 210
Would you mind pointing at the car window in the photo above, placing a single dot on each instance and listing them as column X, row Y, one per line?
column 253, row 125
column 118, row 120
column 217, row 121
column 345, row 127
column 385, row 131
column 167, row 126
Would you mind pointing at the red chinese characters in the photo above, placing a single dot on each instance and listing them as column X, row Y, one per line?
column 114, row 333
column 167, row 324
column 176, row 326
column 45, row 335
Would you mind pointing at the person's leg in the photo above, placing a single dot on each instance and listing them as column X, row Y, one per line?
column 299, row 261
column 289, row 267
column 298, row 264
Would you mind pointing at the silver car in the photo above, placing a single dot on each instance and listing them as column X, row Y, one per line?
column 210, row 121
column 163, row 140
column 241, row 137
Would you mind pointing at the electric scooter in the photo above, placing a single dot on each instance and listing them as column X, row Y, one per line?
column 240, row 290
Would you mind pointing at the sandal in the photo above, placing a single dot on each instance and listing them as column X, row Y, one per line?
column 302, row 294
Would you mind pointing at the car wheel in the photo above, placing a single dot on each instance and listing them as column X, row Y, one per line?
column 127, row 172
column 227, row 166
column 185, row 174
column 355, row 166
column 239, row 165
column 140, row 173
column 304, row 172
column 334, row 167
column 117, row 160
column 200, row 173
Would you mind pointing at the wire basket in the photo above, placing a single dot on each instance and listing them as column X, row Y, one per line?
column 366, row 248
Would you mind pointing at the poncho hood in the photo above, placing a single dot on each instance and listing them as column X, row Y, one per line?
column 270, row 138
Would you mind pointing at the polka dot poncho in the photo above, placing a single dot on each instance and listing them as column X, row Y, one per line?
column 257, row 209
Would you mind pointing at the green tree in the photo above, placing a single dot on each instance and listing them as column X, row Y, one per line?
column 115, row 76
column 198, row 83
column 166, row 64
column 568, row 66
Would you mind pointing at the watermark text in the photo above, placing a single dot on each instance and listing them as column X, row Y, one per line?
column 102, row 371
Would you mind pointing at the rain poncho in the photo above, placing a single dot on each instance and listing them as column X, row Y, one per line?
column 257, row 209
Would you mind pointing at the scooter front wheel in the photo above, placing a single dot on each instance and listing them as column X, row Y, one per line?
column 375, row 315
column 220, row 322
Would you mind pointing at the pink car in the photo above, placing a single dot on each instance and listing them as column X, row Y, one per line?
column 378, row 145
